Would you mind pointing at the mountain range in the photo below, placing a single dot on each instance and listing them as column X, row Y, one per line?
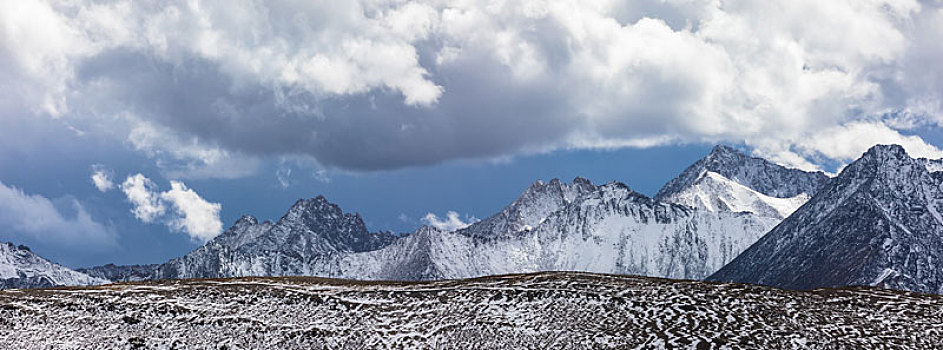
column 876, row 223
column 576, row 226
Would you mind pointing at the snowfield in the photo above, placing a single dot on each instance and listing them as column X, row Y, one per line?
column 534, row 311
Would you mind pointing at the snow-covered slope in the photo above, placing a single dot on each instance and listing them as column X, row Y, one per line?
column 879, row 222
column 21, row 268
column 538, row 311
column 728, row 180
column 714, row 192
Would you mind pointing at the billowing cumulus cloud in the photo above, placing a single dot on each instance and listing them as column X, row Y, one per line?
column 208, row 88
column 451, row 222
column 194, row 215
column 144, row 197
column 180, row 208
column 34, row 217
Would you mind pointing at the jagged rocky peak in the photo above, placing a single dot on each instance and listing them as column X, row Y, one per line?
column 878, row 222
column 310, row 208
column 758, row 174
column 530, row 209
column 322, row 227
column 246, row 220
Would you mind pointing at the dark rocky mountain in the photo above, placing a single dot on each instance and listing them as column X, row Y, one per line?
column 877, row 223
column 552, row 226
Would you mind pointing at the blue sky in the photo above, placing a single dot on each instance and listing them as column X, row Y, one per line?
column 191, row 113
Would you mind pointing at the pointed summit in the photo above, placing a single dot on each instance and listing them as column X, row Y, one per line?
column 246, row 220
column 757, row 174
column 579, row 180
column 878, row 222
column 722, row 150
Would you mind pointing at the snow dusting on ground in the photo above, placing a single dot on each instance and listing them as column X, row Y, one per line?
column 536, row 311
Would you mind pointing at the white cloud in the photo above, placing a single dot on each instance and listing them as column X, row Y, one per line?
column 101, row 178
column 208, row 88
column 144, row 197
column 195, row 216
column 451, row 222
column 844, row 143
column 191, row 213
column 37, row 218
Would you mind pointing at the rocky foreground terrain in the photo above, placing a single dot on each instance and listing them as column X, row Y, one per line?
column 534, row 311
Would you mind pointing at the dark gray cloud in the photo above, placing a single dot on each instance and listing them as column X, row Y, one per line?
column 210, row 90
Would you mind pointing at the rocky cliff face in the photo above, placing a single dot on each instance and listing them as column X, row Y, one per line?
column 877, row 223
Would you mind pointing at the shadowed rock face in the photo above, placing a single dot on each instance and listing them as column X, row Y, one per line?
column 877, row 223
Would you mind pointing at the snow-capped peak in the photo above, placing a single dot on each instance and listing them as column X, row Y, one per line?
column 729, row 180
column 21, row 268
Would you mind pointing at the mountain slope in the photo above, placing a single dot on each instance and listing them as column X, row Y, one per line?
column 21, row 268
column 714, row 192
column 877, row 223
column 536, row 311
column 728, row 180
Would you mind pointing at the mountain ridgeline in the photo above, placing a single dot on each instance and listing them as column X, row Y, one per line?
column 728, row 217
column 576, row 226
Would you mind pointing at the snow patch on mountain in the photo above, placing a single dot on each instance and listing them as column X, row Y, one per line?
column 758, row 174
column 714, row 192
